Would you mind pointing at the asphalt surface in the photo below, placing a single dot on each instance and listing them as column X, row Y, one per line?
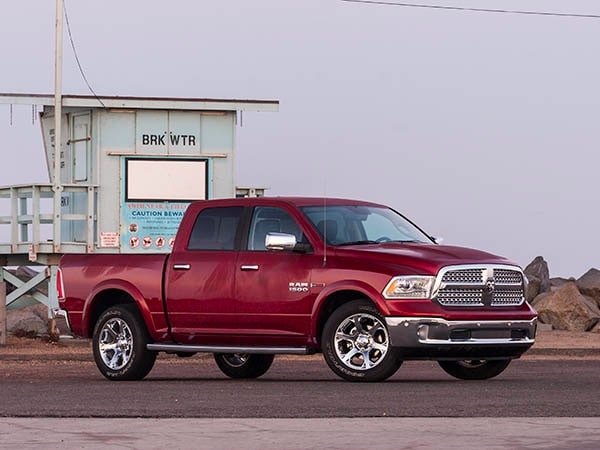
column 297, row 387
column 547, row 400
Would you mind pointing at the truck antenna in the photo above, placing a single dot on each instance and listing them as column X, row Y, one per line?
column 325, row 229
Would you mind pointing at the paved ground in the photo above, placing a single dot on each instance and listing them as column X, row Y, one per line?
column 277, row 434
column 297, row 387
column 490, row 432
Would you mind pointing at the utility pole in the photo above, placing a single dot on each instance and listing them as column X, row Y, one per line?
column 56, row 183
column 2, row 309
column 57, row 187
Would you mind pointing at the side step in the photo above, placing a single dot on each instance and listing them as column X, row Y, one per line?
column 176, row 348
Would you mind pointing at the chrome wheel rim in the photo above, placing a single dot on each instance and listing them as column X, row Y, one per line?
column 235, row 359
column 361, row 341
column 115, row 343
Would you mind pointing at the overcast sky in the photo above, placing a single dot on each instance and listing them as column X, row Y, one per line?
column 483, row 128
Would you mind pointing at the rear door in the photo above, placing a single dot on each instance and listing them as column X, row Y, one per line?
column 274, row 298
column 200, row 280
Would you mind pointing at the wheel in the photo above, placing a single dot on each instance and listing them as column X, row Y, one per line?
column 356, row 343
column 119, row 344
column 475, row 369
column 243, row 365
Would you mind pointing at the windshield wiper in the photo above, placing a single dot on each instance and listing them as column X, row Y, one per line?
column 408, row 241
column 364, row 242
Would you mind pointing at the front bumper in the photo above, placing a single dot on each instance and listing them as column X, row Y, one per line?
column 435, row 338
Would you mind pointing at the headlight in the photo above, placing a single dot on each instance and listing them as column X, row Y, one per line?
column 413, row 286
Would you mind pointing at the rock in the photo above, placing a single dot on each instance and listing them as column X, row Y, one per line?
column 558, row 282
column 589, row 284
column 567, row 309
column 538, row 269
column 596, row 328
column 31, row 319
column 533, row 288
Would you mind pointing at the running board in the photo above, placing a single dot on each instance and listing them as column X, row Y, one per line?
column 209, row 349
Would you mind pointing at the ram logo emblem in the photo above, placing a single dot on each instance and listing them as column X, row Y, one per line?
column 490, row 285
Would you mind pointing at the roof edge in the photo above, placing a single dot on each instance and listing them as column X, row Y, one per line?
column 132, row 102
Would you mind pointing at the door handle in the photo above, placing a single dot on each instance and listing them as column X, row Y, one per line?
column 249, row 267
column 181, row 267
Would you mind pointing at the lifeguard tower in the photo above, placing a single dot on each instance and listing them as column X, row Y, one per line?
column 128, row 168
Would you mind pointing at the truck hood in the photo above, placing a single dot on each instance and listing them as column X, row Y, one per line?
column 420, row 258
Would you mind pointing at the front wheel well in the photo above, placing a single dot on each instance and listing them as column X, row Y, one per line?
column 333, row 302
column 102, row 302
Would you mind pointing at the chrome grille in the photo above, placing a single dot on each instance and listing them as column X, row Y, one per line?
column 505, row 276
column 486, row 285
column 463, row 276
column 507, row 297
column 461, row 297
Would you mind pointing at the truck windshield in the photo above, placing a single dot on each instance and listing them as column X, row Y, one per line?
column 356, row 225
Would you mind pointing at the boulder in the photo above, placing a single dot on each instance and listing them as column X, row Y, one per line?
column 567, row 309
column 537, row 271
column 558, row 282
column 29, row 320
column 533, row 288
column 589, row 284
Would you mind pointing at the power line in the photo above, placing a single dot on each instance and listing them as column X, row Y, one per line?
column 487, row 10
column 77, row 57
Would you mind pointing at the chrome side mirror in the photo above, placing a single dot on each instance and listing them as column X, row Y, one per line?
column 280, row 241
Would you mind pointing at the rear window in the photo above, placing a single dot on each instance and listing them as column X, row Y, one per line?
column 215, row 229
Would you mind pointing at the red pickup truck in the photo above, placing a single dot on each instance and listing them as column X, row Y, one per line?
column 249, row 278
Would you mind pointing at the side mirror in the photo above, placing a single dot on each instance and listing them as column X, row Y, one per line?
column 280, row 241
column 437, row 239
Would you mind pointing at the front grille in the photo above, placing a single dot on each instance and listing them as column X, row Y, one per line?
column 479, row 286
column 505, row 276
column 463, row 276
column 460, row 297
column 507, row 297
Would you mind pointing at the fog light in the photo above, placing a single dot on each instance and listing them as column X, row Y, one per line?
column 518, row 334
column 423, row 332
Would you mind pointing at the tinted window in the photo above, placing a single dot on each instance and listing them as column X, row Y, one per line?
column 215, row 229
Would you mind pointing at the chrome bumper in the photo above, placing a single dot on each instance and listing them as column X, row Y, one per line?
column 57, row 312
column 427, row 337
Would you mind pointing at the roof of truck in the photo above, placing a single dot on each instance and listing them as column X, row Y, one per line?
column 296, row 201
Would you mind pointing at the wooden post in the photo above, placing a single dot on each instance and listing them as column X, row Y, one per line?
column 2, row 310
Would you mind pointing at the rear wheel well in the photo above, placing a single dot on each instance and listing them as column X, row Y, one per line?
column 105, row 300
column 333, row 302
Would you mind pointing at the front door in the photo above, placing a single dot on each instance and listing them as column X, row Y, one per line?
column 273, row 291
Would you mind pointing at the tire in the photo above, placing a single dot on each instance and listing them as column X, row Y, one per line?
column 475, row 369
column 356, row 343
column 243, row 365
column 119, row 344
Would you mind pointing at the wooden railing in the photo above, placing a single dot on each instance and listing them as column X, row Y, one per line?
column 28, row 224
